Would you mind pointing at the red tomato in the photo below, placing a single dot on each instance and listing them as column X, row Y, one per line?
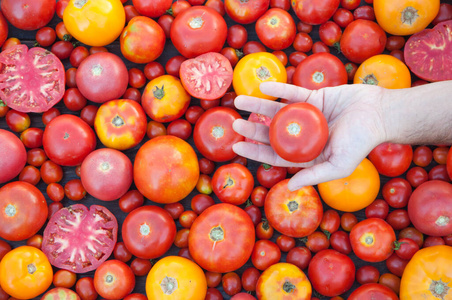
column 249, row 279
column 28, row 15
column 14, row 156
column 246, row 12
column 317, row 241
column 340, row 241
column 214, row 241
column 237, row 36
column 298, row 132
column 30, row 174
column 85, row 288
column 314, row 12
column 148, row 231
column 62, row 49
column 232, row 183
column 276, row 29
column 152, row 9
column 377, row 209
column 69, row 239
column 231, row 283
column 299, row 256
column 364, row 13
column 208, row 76
column 114, row 279
column 367, row 274
column 397, row 192
column 198, row 30
column 362, row 39
column 140, row 266
column 320, row 70
column 343, row 17
column 331, row 273
column 398, row 219
column 39, row 91
column 373, row 291
column 372, row 240
column 153, row 70
column 391, row 159
column 74, row 100
column 416, row 176
column 62, row 133
column 268, row 175
column 330, row 33
column 296, row 214
column 265, row 254
column 444, row 14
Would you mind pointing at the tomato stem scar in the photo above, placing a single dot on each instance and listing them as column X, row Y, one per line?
column 294, row 128
column 288, row 287
column 292, row 205
column 80, row 3
column 31, row 268
column 168, row 285
column 442, row 221
column 218, row 132
column 10, row 210
column 217, row 234
column 409, row 15
column 318, row 77
column 117, row 121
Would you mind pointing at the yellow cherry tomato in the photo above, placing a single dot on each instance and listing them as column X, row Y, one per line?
column 405, row 17
column 283, row 281
column 95, row 22
column 428, row 275
column 25, row 272
column 353, row 192
column 254, row 69
column 385, row 71
column 175, row 277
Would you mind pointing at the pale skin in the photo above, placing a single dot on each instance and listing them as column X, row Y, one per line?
column 360, row 117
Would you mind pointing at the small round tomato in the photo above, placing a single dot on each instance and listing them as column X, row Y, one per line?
column 367, row 274
column 330, row 33
column 265, row 253
column 232, row 183
column 237, row 36
column 114, row 279
column 264, row 231
column 51, row 172
column 30, row 174
column 85, row 288
column 95, row 23
column 140, row 266
column 231, row 283
column 246, row 12
column 343, row 17
column 397, row 192
column 268, row 175
column 299, row 256
column 314, row 12
column 317, row 241
column 249, row 279
column 376, row 290
column 364, row 12
column 176, row 277
column 64, row 278
column 398, row 219
column 74, row 190
column 17, row 121
column 46, row 36
column 254, row 69
column 340, row 241
column 74, row 100
column 377, row 209
column 391, row 159
column 14, row 156
column 276, row 29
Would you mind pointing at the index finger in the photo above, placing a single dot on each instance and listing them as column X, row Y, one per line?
column 292, row 93
column 257, row 105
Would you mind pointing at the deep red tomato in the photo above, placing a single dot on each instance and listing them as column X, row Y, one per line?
column 180, row 128
column 373, row 291
column 153, row 70
column 28, row 15
column 340, row 241
column 214, row 241
column 330, row 33
column 148, row 231
column 114, row 279
column 62, row 133
column 137, row 79
column 299, row 256
column 130, row 12
column 17, row 121
column 396, row 265
column 431, row 241
column 246, row 12
column 45, row 36
column 231, row 283
column 249, row 279
column 74, row 100
column 365, row 13
column 314, row 12
column 121, row 252
column 140, row 266
column 397, row 192
column 302, row 42
column 348, row 221
column 317, row 241
column 62, row 49
column 320, row 70
column 213, row 294
column 232, row 183
column 391, row 159
column 439, row 172
column 343, row 17
column 416, row 176
column 406, row 248
column 422, row 156
column 217, row 5
column 152, row 9
column 296, row 214
column 131, row 200
column 36, row 157
column 30, row 174
column 331, row 273
column 253, row 47
column 367, row 274
column 14, row 155
column 198, row 30
column 68, row 239
column 331, row 221
column 299, row 131
column 362, row 39
column 444, row 14
column 237, row 36
column 265, row 254
column 377, row 209
column 413, row 234
column 372, row 240
column 268, row 175
column 166, row 22
column 51, row 172
column 264, row 231
column 74, row 190
column 78, row 55
column 55, row 191
column 285, row 243
column 85, row 288
column 276, row 29
column 395, row 42
column 88, row 114
column 258, row 196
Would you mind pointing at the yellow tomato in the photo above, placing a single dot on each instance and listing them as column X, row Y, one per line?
column 405, row 17
column 428, row 275
column 385, row 71
column 254, row 69
column 95, row 22
column 25, row 272
column 283, row 281
column 165, row 99
column 175, row 277
column 353, row 192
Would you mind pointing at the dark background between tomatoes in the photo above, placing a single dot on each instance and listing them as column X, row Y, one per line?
column 28, row 38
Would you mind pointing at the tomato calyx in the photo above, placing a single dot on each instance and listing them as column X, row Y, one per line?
column 196, row 23
column 370, row 79
column 409, row 15
column 145, row 229
column 442, row 221
column 229, row 182
column 294, row 128
column 80, row 3
column 96, row 70
column 31, row 268
column 216, row 234
column 263, row 73
column 397, row 244
column 288, row 287
column 2, row 104
column 159, row 93
column 318, row 77
column 327, row 233
column 265, row 224
column 118, row 121
column 10, row 210
column 217, row 132
column 439, row 288
column 292, row 206
column 168, row 285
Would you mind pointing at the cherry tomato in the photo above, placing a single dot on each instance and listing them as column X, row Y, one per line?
column 237, row 36
column 397, row 192
column 140, row 266
column 74, row 190
column 85, row 288
column 264, row 231
column 367, row 274
column 231, row 283
column 377, row 209
column 265, row 254
column 340, row 241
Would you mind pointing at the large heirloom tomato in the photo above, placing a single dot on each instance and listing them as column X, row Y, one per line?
column 430, row 208
column 198, row 30
column 314, row 12
column 164, row 99
column 13, row 155
column 254, row 69
column 276, row 29
column 245, row 12
column 23, row 211
column 213, row 134
column 372, row 240
column 152, row 9
column 384, row 70
column 373, row 291
column 120, row 124
column 354, row 192
column 296, row 214
column 31, row 80
column 428, row 275
column 60, row 293
column 95, row 22
column 233, row 183
column 28, row 14
column 283, row 281
column 222, row 238
column 405, row 17
column 391, row 159
column 175, row 277
column 25, row 272
column 142, row 40
column 166, row 169
column 60, row 136
column 79, row 239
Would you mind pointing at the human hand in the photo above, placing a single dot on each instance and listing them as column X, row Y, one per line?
column 356, row 125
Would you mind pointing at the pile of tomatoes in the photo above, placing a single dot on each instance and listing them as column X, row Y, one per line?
column 118, row 178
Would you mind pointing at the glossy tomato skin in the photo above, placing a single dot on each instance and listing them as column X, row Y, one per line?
column 313, row 12
column 232, row 183
column 3, row 29
column 166, row 187
column 198, row 30
column 265, row 253
column 213, row 134
column 114, row 279
column 373, row 291
column 296, row 214
column 268, row 175
column 152, row 9
column 59, row 136
column 298, row 132
column 276, row 29
column 391, row 159
column 246, row 12
column 24, row 211
column 14, row 155
column 217, row 225
column 28, row 15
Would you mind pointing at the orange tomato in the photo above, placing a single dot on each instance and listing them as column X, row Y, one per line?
column 385, row 71
column 405, row 17
column 25, row 272
column 175, row 277
column 120, row 124
column 283, row 281
column 428, row 275
column 353, row 192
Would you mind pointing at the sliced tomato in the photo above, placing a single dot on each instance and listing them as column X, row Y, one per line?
column 31, row 80
column 78, row 239
column 207, row 76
